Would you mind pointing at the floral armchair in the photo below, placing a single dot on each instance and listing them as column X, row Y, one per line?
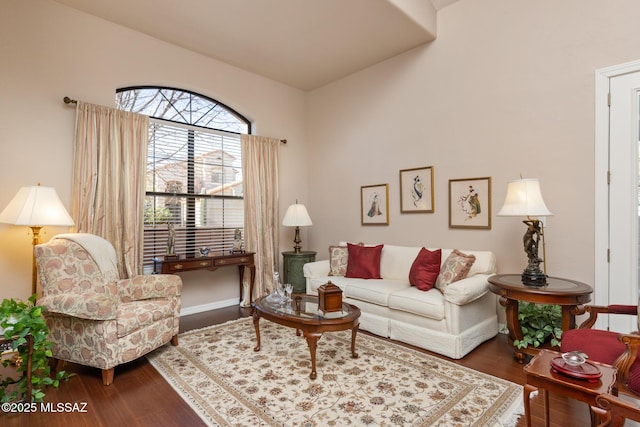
column 94, row 317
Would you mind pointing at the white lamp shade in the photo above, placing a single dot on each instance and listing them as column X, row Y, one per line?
column 296, row 216
column 524, row 199
column 36, row 206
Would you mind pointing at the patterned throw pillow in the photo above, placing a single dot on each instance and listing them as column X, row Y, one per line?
column 338, row 257
column 454, row 268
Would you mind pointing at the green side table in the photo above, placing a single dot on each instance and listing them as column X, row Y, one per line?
column 293, row 262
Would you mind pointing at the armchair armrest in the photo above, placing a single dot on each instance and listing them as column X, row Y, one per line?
column 149, row 286
column 614, row 410
column 626, row 359
column 88, row 305
column 594, row 310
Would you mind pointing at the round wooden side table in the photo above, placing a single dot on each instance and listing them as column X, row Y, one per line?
column 566, row 293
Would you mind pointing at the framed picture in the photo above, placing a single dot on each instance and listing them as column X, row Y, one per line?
column 416, row 190
column 374, row 204
column 470, row 203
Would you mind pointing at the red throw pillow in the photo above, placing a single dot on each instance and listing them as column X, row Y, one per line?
column 364, row 261
column 425, row 269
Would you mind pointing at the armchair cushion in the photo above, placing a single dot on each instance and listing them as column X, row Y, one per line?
column 149, row 286
column 136, row 315
column 601, row 346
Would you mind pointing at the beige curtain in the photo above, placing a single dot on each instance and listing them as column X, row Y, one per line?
column 261, row 217
column 109, row 170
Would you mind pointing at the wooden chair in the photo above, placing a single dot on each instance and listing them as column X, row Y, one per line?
column 613, row 411
column 619, row 350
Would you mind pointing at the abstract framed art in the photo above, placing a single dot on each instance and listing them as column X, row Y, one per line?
column 374, row 204
column 470, row 203
column 416, row 190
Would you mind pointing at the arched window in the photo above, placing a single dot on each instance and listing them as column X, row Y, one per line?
column 194, row 170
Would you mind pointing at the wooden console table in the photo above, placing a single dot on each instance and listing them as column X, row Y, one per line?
column 211, row 262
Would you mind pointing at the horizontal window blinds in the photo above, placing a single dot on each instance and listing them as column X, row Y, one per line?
column 194, row 181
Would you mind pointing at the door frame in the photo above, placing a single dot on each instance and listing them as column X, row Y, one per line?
column 601, row 185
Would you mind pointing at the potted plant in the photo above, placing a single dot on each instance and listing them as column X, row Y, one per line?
column 540, row 324
column 17, row 320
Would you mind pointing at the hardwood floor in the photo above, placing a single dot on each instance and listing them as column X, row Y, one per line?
column 139, row 396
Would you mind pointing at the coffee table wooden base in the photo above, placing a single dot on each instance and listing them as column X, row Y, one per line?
column 311, row 330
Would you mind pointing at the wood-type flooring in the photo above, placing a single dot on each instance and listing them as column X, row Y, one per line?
column 139, row 396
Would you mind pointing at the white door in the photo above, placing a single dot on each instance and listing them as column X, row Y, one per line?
column 617, row 274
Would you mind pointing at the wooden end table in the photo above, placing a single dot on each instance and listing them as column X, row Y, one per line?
column 569, row 294
column 539, row 375
column 302, row 314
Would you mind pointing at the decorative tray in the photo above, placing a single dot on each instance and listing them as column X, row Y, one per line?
column 586, row 371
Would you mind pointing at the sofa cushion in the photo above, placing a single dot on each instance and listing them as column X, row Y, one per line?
column 395, row 261
column 338, row 258
column 428, row 304
column 425, row 268
column 374, row 291
column 456, row 267
column 364, row 261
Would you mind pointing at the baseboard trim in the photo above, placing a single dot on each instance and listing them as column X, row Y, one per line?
column 208, row 307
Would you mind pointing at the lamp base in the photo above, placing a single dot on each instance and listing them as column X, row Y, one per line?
column 534, row 278
column 297, row 241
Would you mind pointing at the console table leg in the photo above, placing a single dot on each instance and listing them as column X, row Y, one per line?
column 256, row 325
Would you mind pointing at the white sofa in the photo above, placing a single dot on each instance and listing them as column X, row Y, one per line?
column 451, row 323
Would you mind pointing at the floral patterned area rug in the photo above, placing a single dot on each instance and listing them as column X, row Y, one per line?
column 228, row 384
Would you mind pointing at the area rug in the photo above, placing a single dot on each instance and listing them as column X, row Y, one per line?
column 217, row 372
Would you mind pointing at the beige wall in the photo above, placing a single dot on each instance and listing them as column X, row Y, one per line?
column 49, row 51
column 506, row 89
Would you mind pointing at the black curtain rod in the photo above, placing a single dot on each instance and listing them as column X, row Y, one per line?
column 68, row 100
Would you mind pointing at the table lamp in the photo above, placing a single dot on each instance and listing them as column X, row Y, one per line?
column 36, row 207
column 524, row 198
column 296, row 216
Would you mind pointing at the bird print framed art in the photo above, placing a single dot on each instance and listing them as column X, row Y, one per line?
column 416, row 190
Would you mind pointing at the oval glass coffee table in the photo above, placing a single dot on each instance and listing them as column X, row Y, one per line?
column 302, row 314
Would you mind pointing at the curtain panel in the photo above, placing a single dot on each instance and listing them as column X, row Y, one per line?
column 260, row 157
column 108, row 185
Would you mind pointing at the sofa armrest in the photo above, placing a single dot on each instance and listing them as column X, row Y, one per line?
column 467, row 290
column 88, row 305
column 149, row 286
column 316, row 269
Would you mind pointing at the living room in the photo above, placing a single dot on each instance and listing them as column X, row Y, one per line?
column 505, row 90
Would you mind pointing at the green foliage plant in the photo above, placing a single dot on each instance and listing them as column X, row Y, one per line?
column 17, row 320
column 540, row 324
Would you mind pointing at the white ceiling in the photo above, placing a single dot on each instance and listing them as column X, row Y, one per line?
column 302, row 43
